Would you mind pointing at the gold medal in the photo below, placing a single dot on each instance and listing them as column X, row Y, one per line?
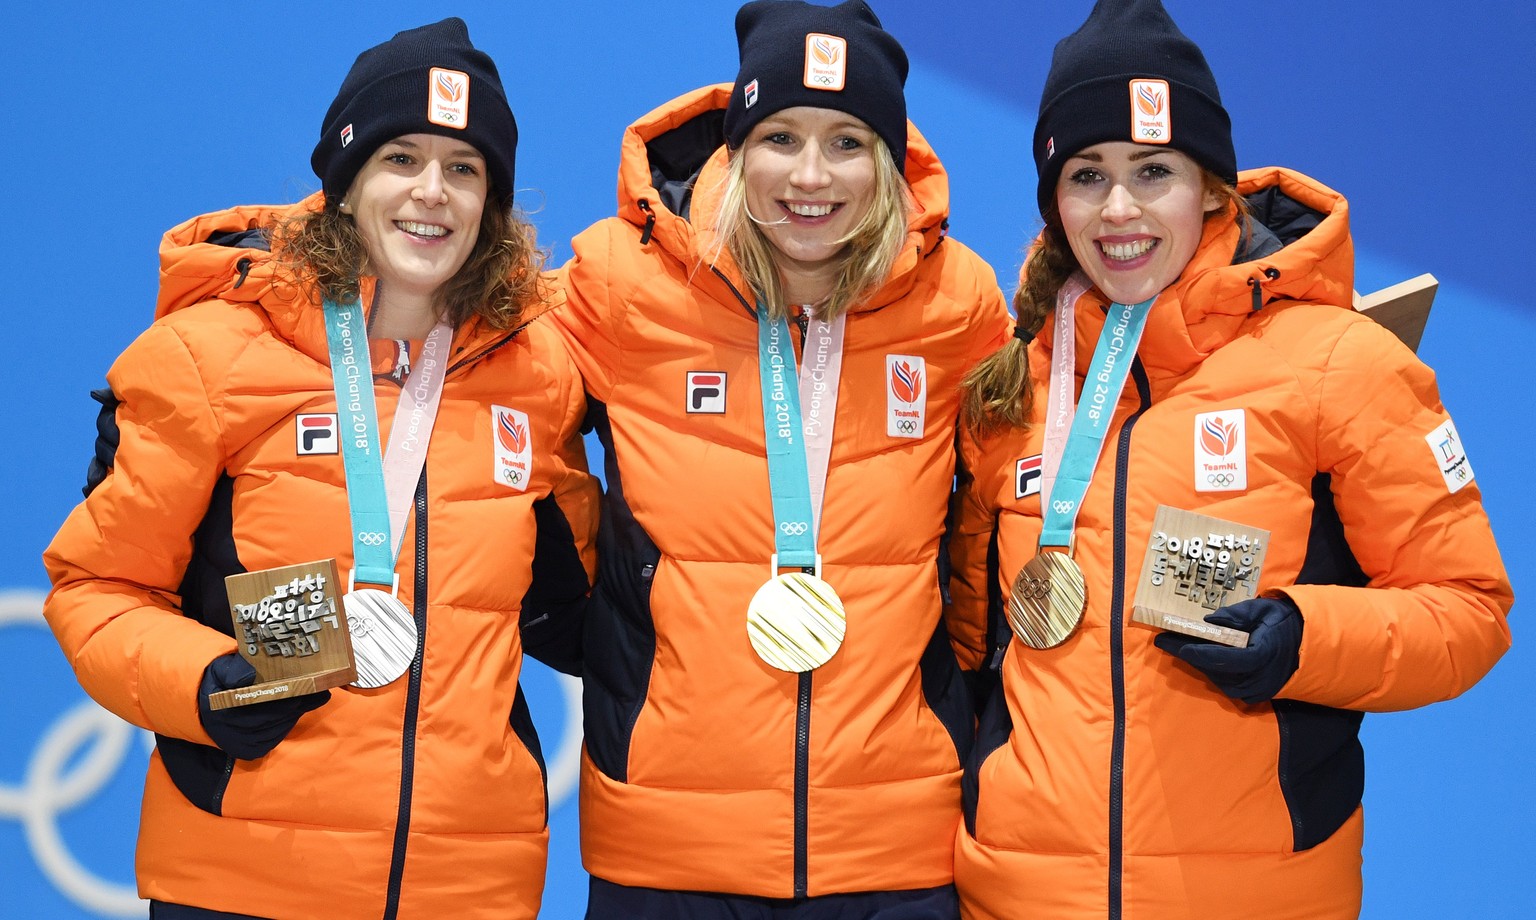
column 383, row 636
column 796, row 622
column 1048, row 599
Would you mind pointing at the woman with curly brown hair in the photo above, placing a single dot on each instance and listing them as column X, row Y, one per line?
column 253, row 437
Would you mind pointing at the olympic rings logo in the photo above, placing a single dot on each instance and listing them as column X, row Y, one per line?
column 1152, row 133
column 83, row 751
column 59, row 779
column 794, row 528
column 1063, row 506
column 513, row 477
column 1220, row 479
column 371, row 538
column 1032, row 587
column 906, row 426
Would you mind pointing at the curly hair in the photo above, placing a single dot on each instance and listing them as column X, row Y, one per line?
column 499, row 279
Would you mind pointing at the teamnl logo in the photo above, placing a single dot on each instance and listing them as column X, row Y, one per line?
column 448, row 103
column 1221, row 451
column 906, row 395
column 1151, row 112
column 514, row 447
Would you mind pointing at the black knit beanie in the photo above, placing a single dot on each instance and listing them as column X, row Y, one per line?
column 429, row 80
column 829, row 57
column 1129, row 74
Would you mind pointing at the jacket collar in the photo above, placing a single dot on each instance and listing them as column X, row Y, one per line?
column 1205, row 308
column 224, row 255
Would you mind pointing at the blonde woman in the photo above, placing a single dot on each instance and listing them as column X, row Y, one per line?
column 772, row 331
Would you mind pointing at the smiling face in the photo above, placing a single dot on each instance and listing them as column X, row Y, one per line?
column 810, row 177
column 1133, row 215
column 417, row 204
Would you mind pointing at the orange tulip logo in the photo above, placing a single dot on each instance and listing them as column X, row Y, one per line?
column 906, row 382
column 448, row 89
column 513, row 437
column 1217, row 437
column 825, row 52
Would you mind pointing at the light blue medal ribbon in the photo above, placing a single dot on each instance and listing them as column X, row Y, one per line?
column 795, row 621
column 373, row 558
column 1110, row 366
column 789, row 480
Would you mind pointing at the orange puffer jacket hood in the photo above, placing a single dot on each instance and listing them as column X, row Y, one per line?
column 842, row 780
column 435, row 778
column 663, row 162
column 1119, row 779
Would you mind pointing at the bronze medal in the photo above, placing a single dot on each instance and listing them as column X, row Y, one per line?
column 1048, row 599
column 383, row 636
column 796, row 622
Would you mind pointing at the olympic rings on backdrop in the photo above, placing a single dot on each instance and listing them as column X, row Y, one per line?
column 59, row 778
column 80, row 752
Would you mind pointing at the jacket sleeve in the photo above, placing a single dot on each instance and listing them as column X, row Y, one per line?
column 564, row 554
column 967, row 602
column 587, row 321
column 967, row 614
column 119, row 558
column 1432, row 620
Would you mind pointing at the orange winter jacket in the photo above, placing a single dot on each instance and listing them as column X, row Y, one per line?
column 423, row 798
column 705, row 768
column 1118, row 781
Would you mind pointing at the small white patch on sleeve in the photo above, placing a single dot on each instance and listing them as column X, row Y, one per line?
column 1451, row 455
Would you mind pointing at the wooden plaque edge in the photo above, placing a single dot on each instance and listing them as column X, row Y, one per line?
column 282, row 689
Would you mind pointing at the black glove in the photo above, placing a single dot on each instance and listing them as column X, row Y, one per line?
column 1253, row 674
column 251, row 731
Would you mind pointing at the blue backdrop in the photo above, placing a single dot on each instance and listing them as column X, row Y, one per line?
column 141, row 115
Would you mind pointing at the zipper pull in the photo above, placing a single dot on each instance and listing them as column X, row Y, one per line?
column 650, row 222
column 1255, row 283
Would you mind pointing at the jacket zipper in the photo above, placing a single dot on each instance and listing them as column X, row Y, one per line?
column 1117, row 649
column 802, row 786
column 802, row 805
column 412, row 710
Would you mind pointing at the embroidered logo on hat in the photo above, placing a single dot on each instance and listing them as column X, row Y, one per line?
column 750, row 94
column 448, row 103
column 1151, row 112
column 826, row 61
column 346, row 135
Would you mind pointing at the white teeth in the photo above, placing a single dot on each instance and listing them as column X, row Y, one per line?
column 411, row 226
column 1124, row 252
column 809, row 210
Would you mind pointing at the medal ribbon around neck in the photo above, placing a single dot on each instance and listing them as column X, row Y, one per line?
column 796, row 621
column 380, row 483
column 1049, row 594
